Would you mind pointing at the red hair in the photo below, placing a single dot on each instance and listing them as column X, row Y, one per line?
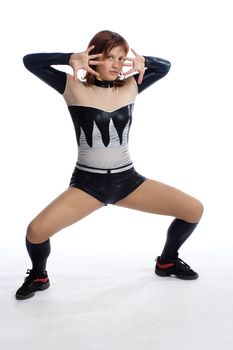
column 104, row 42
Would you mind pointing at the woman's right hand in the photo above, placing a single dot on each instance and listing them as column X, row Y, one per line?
column 83, row 60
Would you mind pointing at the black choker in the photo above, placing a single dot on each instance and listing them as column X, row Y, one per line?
column 104, row 83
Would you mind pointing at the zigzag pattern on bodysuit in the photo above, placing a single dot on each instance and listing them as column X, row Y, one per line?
column 101, row 116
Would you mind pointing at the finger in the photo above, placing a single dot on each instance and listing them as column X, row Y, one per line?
column 75, row 73
column 95, row 56
column 128, row 64
column 129, row 58
column 89, row 48
column 92, row 71
column 134, row 52
column 130, row 71
column 140, row 77
column 95, row 63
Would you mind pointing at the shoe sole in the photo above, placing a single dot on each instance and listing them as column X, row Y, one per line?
column 163, row 274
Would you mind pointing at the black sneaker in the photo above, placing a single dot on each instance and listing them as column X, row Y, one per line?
column 32, row 283
column 177, row 267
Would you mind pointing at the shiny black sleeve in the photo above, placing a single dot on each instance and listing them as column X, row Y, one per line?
column 40, row 65
column 156, row 68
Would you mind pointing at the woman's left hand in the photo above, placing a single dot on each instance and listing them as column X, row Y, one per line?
column 137, row 64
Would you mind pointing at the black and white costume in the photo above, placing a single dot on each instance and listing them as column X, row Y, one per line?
column 102, row 116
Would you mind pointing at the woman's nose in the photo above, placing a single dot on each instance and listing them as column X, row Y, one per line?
column 115, row 63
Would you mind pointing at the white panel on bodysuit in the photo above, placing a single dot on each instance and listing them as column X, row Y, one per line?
column 99, row 156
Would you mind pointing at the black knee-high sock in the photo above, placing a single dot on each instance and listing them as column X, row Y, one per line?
column 177, row 234
column 38, row 254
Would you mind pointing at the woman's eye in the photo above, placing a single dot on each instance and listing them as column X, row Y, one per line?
column 110, row 58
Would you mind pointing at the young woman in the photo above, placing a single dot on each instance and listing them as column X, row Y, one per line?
column 101, row 108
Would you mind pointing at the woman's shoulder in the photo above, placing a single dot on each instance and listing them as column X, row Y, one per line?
column 72, row 83
column 130, row 83
column 73, row 88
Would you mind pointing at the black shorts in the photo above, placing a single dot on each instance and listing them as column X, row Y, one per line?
column 107, row 188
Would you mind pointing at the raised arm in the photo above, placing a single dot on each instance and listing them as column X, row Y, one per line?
column 156, row 68
column 148, row 69
column 40, row 65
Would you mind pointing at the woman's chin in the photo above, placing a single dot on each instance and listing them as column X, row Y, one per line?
column 112, row 76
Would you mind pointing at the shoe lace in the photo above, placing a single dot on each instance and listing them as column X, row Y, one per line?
column 182, row 262
column 29, row 277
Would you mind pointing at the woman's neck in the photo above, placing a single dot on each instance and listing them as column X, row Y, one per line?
column 104, row 83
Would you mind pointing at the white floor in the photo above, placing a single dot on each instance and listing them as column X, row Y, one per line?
column 116, row 302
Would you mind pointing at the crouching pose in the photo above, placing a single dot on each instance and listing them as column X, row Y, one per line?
column 101, row 106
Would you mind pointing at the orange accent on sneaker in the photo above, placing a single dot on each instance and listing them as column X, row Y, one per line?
column 43, row 280
column 165, row 266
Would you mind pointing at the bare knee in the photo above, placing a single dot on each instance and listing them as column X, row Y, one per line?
column 195, row 211
column 35, row 232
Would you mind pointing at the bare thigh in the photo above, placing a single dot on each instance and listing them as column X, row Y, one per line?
column 68, row 208
column 155, row 197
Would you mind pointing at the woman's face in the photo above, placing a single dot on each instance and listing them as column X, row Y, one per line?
column 112, row 65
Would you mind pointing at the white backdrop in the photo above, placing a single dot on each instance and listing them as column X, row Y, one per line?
column 181, row 133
